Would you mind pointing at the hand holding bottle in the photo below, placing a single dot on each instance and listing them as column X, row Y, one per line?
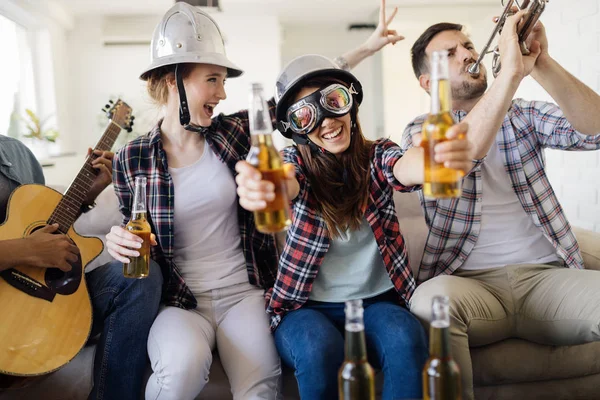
column 275, row 215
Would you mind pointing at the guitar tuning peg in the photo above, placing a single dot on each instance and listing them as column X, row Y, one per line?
column 104, row 110
column 111, row 102
column 132, row 117
column 129, row 129
column 107, row 106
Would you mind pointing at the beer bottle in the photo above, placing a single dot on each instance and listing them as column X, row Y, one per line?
column 356, row 379
column 441, row 376
column 439, row 182
column 264, row 156
column 139, row 267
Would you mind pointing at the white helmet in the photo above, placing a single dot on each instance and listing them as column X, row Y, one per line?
column 187, row 34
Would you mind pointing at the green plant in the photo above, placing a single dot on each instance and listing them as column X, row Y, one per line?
column 36, row 127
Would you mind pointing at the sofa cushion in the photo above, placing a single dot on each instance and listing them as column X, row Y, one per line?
column 589, row 243
column 517, row 360
column 412, row 225
column 74, row 382
column 580, row 388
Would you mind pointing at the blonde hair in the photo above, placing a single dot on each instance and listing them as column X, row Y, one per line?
column 158, row 79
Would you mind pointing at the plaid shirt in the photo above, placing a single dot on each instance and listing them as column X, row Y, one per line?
column 228, row 137
column 307, row 239
column 454, row 224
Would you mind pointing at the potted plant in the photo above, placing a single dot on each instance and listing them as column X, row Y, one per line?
column 38, row 133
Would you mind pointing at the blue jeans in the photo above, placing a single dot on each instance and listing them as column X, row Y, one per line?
column 124, row 310
column 311, row 341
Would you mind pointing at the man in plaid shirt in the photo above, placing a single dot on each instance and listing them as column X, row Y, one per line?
column 499, row 250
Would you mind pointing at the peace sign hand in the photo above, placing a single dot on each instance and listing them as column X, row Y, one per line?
column 383, row 36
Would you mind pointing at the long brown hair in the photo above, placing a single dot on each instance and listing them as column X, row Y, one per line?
column 340, row 184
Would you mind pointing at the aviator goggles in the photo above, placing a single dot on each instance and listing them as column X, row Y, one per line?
column 308, row 113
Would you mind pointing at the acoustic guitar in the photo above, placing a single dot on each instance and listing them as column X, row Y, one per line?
column 46, row 314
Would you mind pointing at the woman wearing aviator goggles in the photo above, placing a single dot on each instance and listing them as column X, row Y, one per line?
column 308, row 113
column 344, row 241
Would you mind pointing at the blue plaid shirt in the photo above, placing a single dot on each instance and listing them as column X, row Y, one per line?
column 454, row 224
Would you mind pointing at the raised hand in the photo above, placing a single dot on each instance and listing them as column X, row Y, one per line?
column 457, row 152
column 254, row 192
column 513, row 62
column 382, row 35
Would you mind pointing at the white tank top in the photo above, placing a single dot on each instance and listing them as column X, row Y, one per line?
column 207, row 243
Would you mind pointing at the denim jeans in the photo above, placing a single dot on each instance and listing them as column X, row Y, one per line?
column 311, row 341
column 123, row 311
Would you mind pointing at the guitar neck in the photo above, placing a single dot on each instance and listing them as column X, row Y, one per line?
column 69, row 208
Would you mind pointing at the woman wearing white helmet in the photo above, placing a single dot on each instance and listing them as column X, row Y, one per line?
column 216, row 265
column 344, row 242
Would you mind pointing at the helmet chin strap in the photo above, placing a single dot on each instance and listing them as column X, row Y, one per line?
column 184, row 111
column 304, row 139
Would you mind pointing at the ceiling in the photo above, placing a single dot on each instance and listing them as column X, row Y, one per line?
column 289, row 11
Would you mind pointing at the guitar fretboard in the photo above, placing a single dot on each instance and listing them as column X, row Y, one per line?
column 69, row 208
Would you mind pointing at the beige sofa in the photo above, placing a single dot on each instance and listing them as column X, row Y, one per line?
column 513, row 369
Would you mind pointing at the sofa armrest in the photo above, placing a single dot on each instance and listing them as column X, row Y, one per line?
column 589, row 243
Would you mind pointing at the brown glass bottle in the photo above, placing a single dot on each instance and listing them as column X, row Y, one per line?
column 264, row 156
column 440, row 182
column 356, row 378
column 441, row 376
column 139, row 267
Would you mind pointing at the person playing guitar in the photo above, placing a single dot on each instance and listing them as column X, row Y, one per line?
column 123, row 309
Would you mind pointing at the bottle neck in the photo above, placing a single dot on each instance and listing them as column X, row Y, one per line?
column 139, row 200
column 355, row 346
column 441, row 96
column 439, row 341
column 265, row 139
column 138, row 215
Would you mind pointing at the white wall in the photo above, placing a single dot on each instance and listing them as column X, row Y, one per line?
column 47, row 25
column 573, row 30
column 86, row 74
column 98, row 72
column 332, row 40
column 403, row 97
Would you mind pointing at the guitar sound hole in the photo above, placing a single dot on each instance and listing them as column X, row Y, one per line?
column 64, row 283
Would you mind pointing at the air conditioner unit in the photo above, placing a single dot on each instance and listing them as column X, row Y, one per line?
column 128, row 30
column 207, row 5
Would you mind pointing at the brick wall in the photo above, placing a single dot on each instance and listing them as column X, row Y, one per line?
column 573, row 29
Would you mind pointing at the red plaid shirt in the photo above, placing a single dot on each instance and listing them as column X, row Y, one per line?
column 228, row 137
column 307, row 239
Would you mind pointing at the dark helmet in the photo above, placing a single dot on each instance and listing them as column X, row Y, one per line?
column 296, row 72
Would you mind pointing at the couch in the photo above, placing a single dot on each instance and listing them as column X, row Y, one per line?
column 512, row 369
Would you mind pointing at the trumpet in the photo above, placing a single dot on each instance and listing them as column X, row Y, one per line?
column 535, row 8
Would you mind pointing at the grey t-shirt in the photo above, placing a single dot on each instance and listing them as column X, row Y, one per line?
column 18, row 166
column 352, row 268
column 6, row 188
